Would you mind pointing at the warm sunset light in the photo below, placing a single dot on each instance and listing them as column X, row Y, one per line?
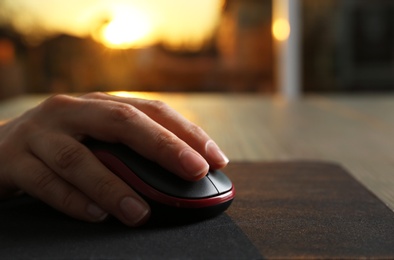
column 281, row 29
column 139, row 94
column 178, row 24
column 128, row 28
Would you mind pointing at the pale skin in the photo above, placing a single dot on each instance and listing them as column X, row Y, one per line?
column 41, row 153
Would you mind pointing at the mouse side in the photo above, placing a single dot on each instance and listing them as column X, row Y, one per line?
column 171, row 198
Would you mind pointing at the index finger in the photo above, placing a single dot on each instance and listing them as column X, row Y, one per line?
column 172, row 120
column 113, row 121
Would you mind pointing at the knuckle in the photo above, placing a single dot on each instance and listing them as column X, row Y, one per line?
column 95, row 95
column 69, row 156
column 105, row 187
column 45, row 182
column 55, row 102
column 43, row 179
column 124, row 112
column 165, row 140
column 158, row 106
column 194, row 130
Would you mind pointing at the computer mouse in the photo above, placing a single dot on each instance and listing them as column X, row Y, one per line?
column 170, row 197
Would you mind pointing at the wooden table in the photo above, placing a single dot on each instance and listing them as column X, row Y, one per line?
column 355, row 131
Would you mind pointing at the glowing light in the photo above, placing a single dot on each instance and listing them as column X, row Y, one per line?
column 177, row 24
column 129, row 28
column 130, row 94
column 281, row 29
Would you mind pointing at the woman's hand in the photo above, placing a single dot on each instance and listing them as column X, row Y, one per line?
column 41, row 153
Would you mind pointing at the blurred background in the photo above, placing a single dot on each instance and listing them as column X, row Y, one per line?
column 53, row 46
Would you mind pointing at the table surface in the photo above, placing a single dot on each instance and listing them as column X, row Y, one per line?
column 354, row 131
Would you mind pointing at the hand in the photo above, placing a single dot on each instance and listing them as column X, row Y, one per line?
column 41, row 153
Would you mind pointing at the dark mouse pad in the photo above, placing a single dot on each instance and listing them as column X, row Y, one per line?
column 281, row 210
column 309, row 210
column 31, row 230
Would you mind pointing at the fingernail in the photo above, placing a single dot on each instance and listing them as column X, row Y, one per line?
column 133, row 210
column 96, row 212
column 215, row 153
column 193, row 163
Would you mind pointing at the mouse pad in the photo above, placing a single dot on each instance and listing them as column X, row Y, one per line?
column 281, row 210
column 32, row 230
column 310, row 210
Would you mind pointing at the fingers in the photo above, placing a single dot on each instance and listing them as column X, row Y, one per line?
column 56, row 168
column 194, row 135
column 113, row 121
column 38, row 180
column 103, row 192
column 173, row 121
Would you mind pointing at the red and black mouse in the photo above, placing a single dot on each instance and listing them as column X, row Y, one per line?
column 170, row 197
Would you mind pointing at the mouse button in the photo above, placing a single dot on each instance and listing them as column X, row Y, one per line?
column 168, row 183
column 156, row 176
column 220, row 180
column 163, row 180
column 199, row 189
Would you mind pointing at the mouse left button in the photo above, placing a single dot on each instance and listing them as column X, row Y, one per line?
column 220, row 181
